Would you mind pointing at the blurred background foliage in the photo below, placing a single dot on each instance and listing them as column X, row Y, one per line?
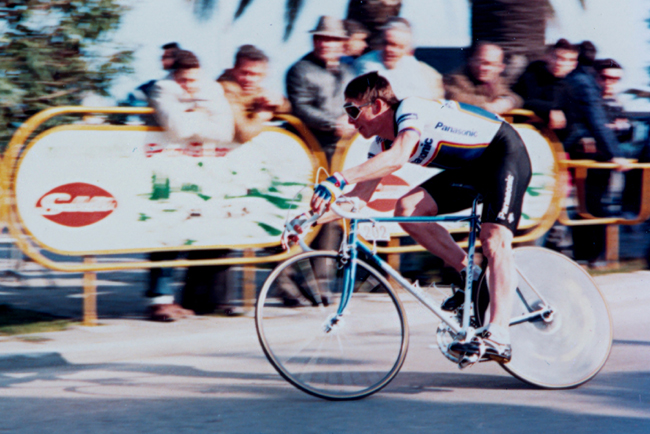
column 55, row 53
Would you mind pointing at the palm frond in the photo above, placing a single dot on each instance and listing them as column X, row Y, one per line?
column 293, row 8
column 243, row 4
column 203, row 9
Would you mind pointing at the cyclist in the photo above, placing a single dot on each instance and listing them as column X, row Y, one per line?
column 476, row 148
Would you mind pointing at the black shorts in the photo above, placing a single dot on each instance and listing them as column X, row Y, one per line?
column 501, row 175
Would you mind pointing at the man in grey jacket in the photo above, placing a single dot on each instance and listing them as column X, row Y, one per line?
column 315, row 85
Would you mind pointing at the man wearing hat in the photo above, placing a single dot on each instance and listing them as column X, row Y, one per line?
column 316, row 82
column 315, row 86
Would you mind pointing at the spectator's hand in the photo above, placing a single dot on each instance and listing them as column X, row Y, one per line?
column 499, row 106
column 271, row 100
column 264, row 115
column 343, row 128
column 556, row 120
column 623, row 164
column 588, row 145
column 622, row 124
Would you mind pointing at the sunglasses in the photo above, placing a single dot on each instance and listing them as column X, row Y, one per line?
column 354, row 111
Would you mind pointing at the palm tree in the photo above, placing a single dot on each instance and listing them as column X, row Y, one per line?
column 519, row 25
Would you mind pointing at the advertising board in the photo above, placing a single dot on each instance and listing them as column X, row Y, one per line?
column 121, row 189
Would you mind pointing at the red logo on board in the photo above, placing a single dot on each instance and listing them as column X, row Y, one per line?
column 77, row 204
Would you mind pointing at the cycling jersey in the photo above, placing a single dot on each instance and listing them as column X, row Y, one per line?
column 452, row 134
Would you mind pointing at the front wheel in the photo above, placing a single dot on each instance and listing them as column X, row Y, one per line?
column 320, row 350
column 570, row 346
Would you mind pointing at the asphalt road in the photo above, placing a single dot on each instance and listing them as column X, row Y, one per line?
column 208, row 374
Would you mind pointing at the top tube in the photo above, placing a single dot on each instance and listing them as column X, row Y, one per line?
column 420, row 219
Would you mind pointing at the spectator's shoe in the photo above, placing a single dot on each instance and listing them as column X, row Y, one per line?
column 229, row 310
column 288, row 301
column 168, row 312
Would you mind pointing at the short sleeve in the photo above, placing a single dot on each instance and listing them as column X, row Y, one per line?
column 375, row 147
column 407, row 116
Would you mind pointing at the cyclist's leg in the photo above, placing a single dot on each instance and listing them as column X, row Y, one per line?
column 432, row 236
column 442, row 194
column 497, row 247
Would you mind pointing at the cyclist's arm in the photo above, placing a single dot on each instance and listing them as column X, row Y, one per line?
column 385, row 162
column 363, row 191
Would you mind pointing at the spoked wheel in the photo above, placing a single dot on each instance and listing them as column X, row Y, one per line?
column 572, row 344
column 332, row 356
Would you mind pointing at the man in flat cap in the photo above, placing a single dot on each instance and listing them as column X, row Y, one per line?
column 315, row 85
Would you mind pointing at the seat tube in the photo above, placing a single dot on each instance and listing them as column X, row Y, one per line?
column 350, row 271
column 469, row 278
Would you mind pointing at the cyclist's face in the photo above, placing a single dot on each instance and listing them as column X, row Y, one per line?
column 364, row 121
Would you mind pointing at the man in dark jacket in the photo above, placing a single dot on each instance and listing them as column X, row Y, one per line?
column 543, row 85
column 315, row 85
column 590, row 138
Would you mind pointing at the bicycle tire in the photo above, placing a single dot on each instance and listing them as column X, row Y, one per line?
column 360, row 355
column 574, row 345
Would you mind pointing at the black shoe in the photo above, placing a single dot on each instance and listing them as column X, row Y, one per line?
column 291, row 302
column 454, row 302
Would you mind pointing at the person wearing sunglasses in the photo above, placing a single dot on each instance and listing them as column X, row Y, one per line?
column 476, row 148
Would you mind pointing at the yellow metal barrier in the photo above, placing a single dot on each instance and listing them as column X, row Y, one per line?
column 581, row 168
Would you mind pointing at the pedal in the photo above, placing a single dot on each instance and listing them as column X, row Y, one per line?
column 468, row 360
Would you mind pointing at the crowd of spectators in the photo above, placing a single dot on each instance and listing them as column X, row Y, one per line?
column 569, row 90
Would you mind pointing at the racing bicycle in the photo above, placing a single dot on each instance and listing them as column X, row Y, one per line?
column 350, row 338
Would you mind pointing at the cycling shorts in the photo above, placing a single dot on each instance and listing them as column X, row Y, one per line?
column 501, row 175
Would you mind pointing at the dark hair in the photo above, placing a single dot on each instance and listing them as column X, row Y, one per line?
column 185, row 60
column 171, row 46
column 601, row 64
column 476, row 47
column 563, row 44
column 353, row 27
column 250, row 52
column 587, row 54
column 370, row 87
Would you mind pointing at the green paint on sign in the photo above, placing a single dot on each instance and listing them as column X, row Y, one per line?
column 280, row 202
column 534, row 191
column 270, row 229
column 189, row 242
column 143, row 217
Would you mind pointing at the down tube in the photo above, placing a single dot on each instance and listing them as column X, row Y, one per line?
column 416, row 291
column 350, row 269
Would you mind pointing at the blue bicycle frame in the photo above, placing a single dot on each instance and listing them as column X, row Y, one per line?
column 473, row 219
